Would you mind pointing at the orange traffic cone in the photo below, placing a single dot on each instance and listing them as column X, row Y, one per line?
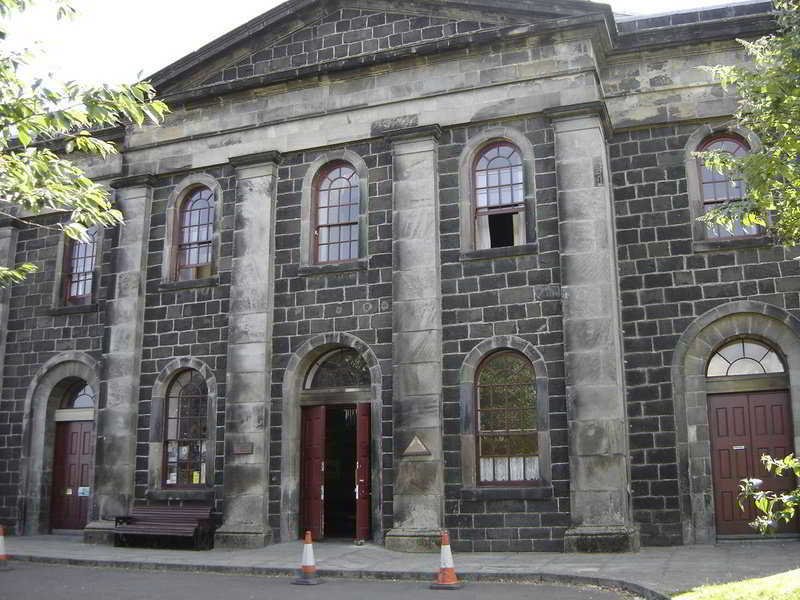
column 4, row 558
column 446, row 580
column 308, row 571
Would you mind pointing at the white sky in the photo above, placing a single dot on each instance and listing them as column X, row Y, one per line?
column 113, row 41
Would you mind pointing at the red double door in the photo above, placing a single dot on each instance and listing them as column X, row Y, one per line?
column 743, row 427
column 335, row 472
column 73, row 463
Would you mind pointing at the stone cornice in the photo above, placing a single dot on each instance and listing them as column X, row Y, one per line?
column 133, row 181
column 408, row 133
column 259, row 158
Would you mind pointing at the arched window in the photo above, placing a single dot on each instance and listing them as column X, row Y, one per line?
column 79, row 394
column 499, row 196
column 716, row 188
column 744, row 357
column 506, row 436
column 341, row 368
column 79, row 266
column 337, row 208
column 195, row 255
column 186, row 439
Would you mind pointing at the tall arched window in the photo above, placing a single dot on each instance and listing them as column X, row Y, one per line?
column 716, row 188
column 186, row 439
column 195, row 255
column 499, row 200
column 336, row 213
column 79, row 266
column 506, row 422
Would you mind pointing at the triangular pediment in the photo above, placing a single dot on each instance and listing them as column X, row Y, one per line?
column 301, row 33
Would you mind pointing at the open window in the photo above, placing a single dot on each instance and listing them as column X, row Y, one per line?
column 499, row 197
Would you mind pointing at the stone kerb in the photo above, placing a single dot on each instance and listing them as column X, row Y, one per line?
column 296, row 369
column 766, row 322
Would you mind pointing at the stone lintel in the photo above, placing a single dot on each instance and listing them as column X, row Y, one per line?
column 411, row 133
column 258, row 158
column 145, row 180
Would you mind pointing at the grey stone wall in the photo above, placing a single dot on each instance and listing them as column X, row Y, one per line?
column 185, row 319
column 36, row 333
column 665, row 285
column 311, row 301
column 502, row 296
column 341, row 34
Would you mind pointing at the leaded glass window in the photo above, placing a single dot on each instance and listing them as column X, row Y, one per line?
column 716, row 188
column 343, row 368
column 499, row 197
column 186, row 430
column 338, row 207
column 80, row 265
column 79, row 395
column 196, row 236
column 744, row 357
column 507, row 438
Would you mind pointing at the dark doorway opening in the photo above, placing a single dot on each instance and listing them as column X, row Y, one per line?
column 340, row 475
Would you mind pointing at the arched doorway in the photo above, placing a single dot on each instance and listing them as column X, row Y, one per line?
column 749, row 415
column 73, row 455
column 335, row 444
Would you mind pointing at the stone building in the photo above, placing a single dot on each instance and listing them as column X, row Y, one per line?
column 389, row 268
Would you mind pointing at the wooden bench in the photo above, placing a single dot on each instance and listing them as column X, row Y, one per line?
column 168, row 520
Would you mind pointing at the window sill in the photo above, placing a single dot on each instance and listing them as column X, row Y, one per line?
column 73, row 310
column 488, row 253
column 532, row 491
column 204, row 494
column 169, row 286
column 731, row 243
column 340, row 267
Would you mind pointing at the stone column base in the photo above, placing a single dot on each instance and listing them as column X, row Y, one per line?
column 413, row 540
column 99, row 532
column 602, row 539
column 237, row 540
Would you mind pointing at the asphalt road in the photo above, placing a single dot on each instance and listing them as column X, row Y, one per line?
column 30, row 581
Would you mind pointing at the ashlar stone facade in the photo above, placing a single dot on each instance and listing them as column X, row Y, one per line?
column 390, row 269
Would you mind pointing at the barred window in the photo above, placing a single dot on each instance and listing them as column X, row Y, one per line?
column 186, row 439
column 196, row 236
column 80, row 263
column 499, row 197
column 338, row 207
column 716, row 188
column 507, row 429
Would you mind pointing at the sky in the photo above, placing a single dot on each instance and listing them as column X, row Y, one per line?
column 114, row 41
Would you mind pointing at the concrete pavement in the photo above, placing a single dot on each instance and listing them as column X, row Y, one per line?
column 653, row 573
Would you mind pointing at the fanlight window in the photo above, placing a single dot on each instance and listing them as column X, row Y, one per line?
column 337, row 213
column 718, row 188
column 499, row 197
column 196, row 236
column 79, row 395
column 507, row 436
column 343, row 368
column 744, row 357
column 187, row 430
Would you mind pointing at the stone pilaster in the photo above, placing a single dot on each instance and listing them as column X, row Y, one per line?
column 249, row 355
column 417, row 342
column 599, row 458
column 117, row 410
column 8, row 249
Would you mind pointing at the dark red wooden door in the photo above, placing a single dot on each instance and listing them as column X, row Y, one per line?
column 363, row 472
column 742, row 428
column 312, row 481
column 72, row 474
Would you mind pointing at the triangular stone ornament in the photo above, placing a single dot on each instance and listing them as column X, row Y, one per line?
column 417, row 448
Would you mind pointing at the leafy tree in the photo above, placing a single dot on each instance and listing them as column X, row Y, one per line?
column 773, row 507
column 769, row 106
column 41, row 123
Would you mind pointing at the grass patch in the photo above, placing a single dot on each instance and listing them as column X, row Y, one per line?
column 783, row 586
